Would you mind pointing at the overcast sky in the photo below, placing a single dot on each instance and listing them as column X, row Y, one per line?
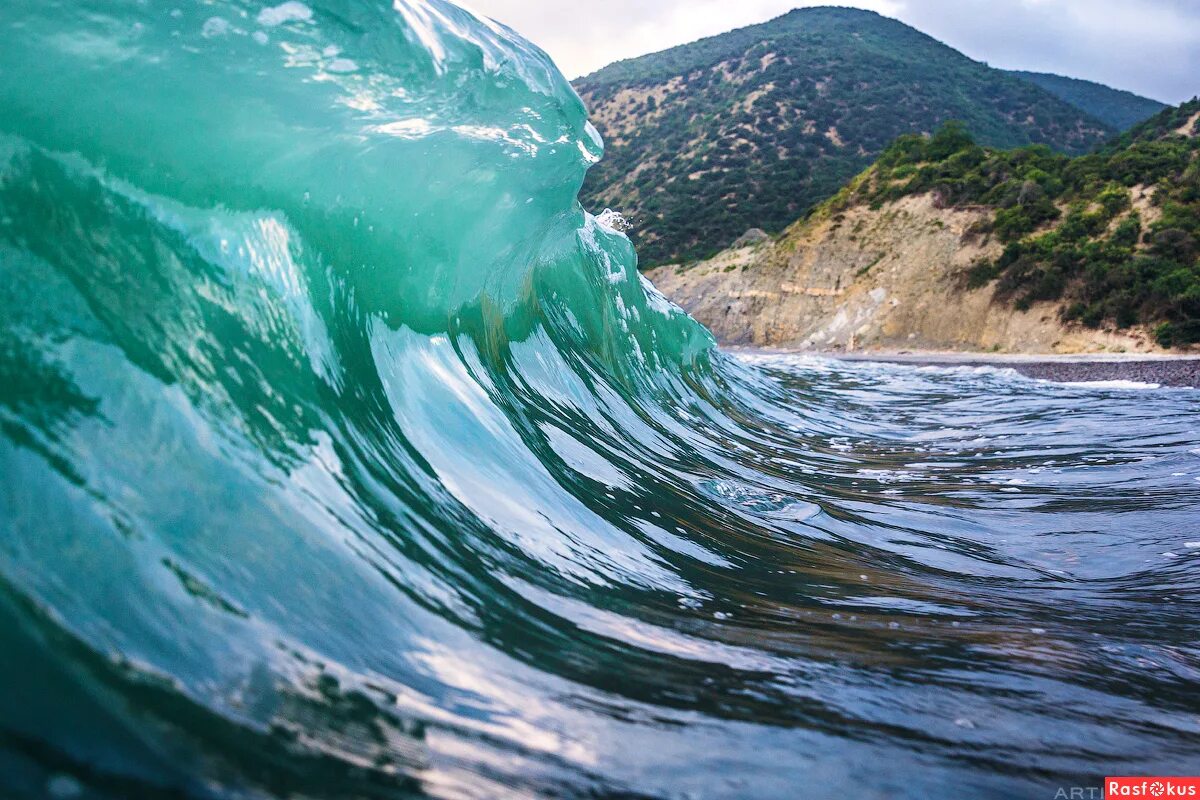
column 1151, row 47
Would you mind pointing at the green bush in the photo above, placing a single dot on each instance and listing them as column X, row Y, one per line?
column 1098, row 256
column 1164, row 334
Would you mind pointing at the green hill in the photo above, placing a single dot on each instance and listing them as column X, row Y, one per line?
column 1114, row 107
column 752, row 128
column 1113, row 236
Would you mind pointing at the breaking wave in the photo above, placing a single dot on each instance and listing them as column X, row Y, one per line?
column 345, row 455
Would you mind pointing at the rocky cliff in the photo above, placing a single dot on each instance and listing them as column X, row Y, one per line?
column 944, row 244
column 892, row 278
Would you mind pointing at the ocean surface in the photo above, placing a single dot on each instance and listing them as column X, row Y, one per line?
column 344, row 455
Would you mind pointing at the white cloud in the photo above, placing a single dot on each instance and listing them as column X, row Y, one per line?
column 1150, row 46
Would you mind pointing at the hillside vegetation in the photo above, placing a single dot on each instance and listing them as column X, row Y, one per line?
column 863, row 279
column 1116, row 108
column 754, row 127
column 1114, row 236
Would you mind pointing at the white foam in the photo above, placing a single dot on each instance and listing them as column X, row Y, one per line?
column 342, row 65
column 214, row 27
column 413, row 128
column 290, row 11
column 614, row 221
column 1114, row 384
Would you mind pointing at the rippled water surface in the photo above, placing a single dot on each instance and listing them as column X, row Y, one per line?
column 344, row 455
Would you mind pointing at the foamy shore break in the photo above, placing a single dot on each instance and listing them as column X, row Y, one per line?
column 1141, row 369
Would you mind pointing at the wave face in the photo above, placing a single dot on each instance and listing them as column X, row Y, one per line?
column 345, row 455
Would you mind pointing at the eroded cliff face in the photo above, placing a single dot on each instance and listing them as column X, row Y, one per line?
column 888, row 279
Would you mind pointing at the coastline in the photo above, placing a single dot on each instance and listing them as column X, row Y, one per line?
column 1165, row 369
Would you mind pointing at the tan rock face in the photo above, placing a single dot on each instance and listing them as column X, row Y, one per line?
column 1189, row 128
column 889, row 279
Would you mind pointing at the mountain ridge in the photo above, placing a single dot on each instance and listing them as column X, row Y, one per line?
column 1117, row 108
column 756, row 126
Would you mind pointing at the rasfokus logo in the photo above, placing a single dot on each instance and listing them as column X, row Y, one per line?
column 1153, row 788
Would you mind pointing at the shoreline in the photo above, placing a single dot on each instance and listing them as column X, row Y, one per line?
column 1165, row 369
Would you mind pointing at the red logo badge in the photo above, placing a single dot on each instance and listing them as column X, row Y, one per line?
column 1152, row 788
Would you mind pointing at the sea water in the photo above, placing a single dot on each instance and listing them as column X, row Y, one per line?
column 343, row 454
